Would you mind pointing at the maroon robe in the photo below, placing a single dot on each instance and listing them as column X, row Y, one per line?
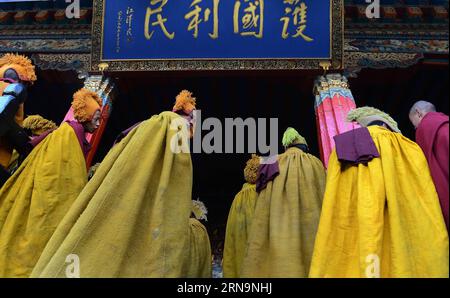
column 432, row 136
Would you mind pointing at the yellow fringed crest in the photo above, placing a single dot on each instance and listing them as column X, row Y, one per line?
column 365, row 115
column 292, row 137
column 84, row 104
column 38, row 124
column 184, row 101
column 251, row 169
column 21, row 64
column 199, row 210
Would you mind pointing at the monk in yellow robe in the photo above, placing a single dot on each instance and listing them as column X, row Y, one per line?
column 199, row 263
column 287, row 213
column 381, row 215
column 35, row 126
column 133, row 217
column 239, row 221
column 37, row 196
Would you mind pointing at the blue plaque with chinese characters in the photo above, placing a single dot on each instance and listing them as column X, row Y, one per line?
column 223, row 31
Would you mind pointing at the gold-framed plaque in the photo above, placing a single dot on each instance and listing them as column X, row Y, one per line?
column 190, row 35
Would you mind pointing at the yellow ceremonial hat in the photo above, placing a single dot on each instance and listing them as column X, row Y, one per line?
column 85, row 103
column 21, row 64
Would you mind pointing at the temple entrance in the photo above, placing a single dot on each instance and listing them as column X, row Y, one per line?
column 218, row 177
column 284, row 95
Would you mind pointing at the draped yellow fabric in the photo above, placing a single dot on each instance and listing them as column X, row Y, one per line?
column 133, row 217
column 199, row 263
column 382, row 219
column 36, row 198
column 285, row 220
column 238, row 229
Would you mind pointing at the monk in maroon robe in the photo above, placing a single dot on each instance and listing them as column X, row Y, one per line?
column 432, row 132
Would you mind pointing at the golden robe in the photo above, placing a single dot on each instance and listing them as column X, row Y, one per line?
column 382, row 219
column 133, row 217
column 199, row 263
column 285, row 220
column 36, row 198
column 238, row 230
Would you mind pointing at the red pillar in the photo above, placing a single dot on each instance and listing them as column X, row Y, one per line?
column 98, row 134
column 333, row 101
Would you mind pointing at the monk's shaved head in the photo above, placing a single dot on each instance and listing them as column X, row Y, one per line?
column 419, row 110
column 423, row 106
